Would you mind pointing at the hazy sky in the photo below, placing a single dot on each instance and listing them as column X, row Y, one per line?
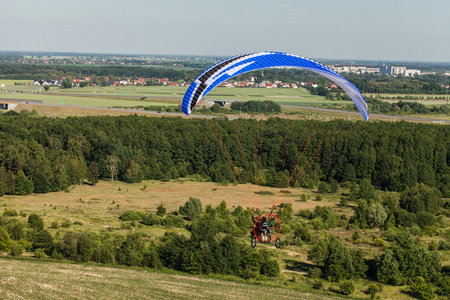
column 338, row 29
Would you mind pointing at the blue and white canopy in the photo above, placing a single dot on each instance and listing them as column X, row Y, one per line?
column 243, row 63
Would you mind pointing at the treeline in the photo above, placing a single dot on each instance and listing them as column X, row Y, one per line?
column 266, row 106
column 39, row 154
column 211, row 248
column 391, row 85
column 50, row 72
column 400, row 107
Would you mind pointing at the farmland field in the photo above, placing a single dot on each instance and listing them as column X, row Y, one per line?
column 86, row 100
column 428, row 99
column 170, row 95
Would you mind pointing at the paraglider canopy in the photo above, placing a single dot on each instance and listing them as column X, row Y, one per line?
column 240, row 64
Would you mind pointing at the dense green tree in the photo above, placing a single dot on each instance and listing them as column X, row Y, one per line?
column 3, row 182
column 35, row 221
column 192, row 208
column 5, row 241
column 10, row 183
column 23, row 185
column 93, row 173
column 86, row 246
column 161, row 210
column 41, row 183
column 421, row 197
column 16, row 229
column 337, row 260
column 388, row 269
column 131, row 252
column 134, row 173
column 421, row 289
column 42, row 239
column 68, row 245
column 376, row 215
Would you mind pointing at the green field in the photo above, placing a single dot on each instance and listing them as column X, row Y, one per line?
column 170, row 95
column 87, row 101
column 10, row 82
column 424, row 101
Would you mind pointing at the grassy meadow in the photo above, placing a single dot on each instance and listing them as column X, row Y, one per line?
column 97, row 208
column 159, row 95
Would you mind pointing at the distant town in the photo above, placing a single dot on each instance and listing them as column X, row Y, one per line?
column 190, row 63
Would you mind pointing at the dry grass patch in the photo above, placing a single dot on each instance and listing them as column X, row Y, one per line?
column 46, row 280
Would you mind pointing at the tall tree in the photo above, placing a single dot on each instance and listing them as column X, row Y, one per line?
column 93, row 173
column 112, row 165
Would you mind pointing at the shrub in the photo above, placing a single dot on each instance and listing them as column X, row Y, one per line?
column 66, row 223
column 444, row 245
column 131, row 215
column 10, row 213
column 172, row 220
column 248, row 273
column 35, row 221
column 39, row 253
column 16, row 229
column 269, row 193
column 192, row 208
column 324, row 187
column 346, row 287
column 161, row 210
column 270, row 268
column 421, row 289
column 54, row 225
column 314, row 273
column 151, row 219
column 42, row 239
column 372, row 290
column 318, row 284
column 432, row 245
column 16, row 250
column 443, row 285
column 379, row 242
column 5, row 241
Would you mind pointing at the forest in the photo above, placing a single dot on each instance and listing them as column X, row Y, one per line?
column 40, row 154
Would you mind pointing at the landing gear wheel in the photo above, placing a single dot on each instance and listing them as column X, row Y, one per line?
column 253, row 242
column 278, row 243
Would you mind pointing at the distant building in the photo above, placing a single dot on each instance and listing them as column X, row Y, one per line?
column 392, row 70
column 412, row 72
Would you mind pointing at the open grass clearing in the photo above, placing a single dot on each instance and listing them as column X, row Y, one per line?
column 98, row 207
column 85, row 100
column 61, row 111
column 425, row 101
column 10, row 83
